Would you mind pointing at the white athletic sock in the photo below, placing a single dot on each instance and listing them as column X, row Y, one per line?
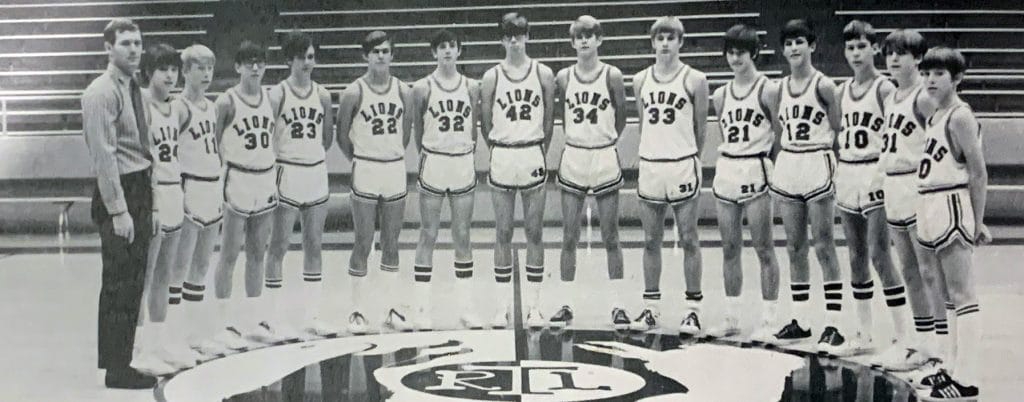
column 421, row 287
column 614, row 295
column 770, row 313
column 732, row 307
column 896, row 300
column 503, row 287
column 652, row 299
column 355, row 290
column 952, row 327
column 862, row 295
column 534, row 278
column 463, row 277
column 834, row 305
column 968, row 345
column 801, row 308
column 693, row 300
column 226, row 313
column 195, row 324
column 313, row 290
column 270, row 304
column 389, row 281
column 924, row 336
column 155, row 335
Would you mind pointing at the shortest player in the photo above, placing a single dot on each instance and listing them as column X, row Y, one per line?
column 593, row 98
column 746, row 110
column 446, row 135
column 952, row 181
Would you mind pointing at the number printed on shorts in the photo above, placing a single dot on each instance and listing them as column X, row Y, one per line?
column 686, row 188
column 748, row 188
column 877, row 195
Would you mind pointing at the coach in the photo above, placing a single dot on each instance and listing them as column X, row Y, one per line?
column 114, row 124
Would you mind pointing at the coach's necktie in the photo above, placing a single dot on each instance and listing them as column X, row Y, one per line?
column 140, row 117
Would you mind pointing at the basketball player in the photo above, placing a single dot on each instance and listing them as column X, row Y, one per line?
column 952, row 184
column 906, row 110
column 304, row 116
column 201, row 181
column 161, row 353
column 373, row 131
column 446, row 135
column 245, row 124
column 673, row 102
column 746, row 109
column 859, row 193
column 517, row 97
column 802, row 180
column 593, row 102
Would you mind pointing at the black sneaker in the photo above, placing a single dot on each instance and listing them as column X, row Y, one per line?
column 562, row 319
column 940, row 377
column 690, row 325
column 792, row 333
column 620, row 319
column 832, row 343
column 951, row 390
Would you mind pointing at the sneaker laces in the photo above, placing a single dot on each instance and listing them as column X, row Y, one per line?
column 619, row 315
column 357, row 318
column 233, row 330
column 940, row 378
column 393, row 313
column 691, row 320
column 646, row 317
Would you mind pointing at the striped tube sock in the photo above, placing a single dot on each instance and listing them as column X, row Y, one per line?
column 896, row 299
column 652, row 298
column 192, row 311
column 312, row 289
column 463, row 269
column 968, row 344
column 862, row 294
column 356, row 283
column 463, row 277
column 693, row 300
column 801, row 292
column 924, row 329
column 422, row 274
column 834, row 304
column 270, row 301
column 173, row 295
column 534, row 277
column 503, row 279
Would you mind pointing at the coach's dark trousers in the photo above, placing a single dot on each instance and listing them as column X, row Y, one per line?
column 124, row 270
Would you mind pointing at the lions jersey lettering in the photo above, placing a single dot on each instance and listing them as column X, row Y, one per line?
column 384, row 117
column 939, row 169
column 247, row 139
column 518, row 109
column 589, row 113
column 863, row 122
column 451, row 115
column 746, row 129
column 198, row 150
column 804, row 119
column 447, row 122
column 519, row 104
column 903, row 138
column 164, row 132
column 254, row 130
column 376, row 131
column 666, row 131
column 300, row 123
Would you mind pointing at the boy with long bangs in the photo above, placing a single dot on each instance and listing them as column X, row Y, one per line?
column 304, row 116
column 373, row 130
column 952, row 183
column 859, row 193
column 592, row 101
column 802, row 180
column 517, row 97
column 672, row 98
column 746, row 109
column 906, row 109
column 446, row 135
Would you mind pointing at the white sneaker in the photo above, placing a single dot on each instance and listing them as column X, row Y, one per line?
column 729, row 326
column 184, row 354
column 357, row 324
column 534, row 319
column 862, row 343
column 562, row 318
column 424, row 321
column 232, row 339
column 620, row 320
column 150, row 363
column 900, row 358
column 470, row 321
column 500, row 320
column 265, row 333
column 319, row 329
column 211, row 349
column 764, row 334
column 646, row 321
column 397, row 322
column 690, row 324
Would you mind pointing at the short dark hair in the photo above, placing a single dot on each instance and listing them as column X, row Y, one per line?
column 797, row 28
column 903, row 41
column 444, row 36
column 249, row 50
column 942, row 57
column 295, row 44
column 374, row 39
column 742, row 37
column 159, row 56
column 857, row 29
column 514, row 24
column 116, row 26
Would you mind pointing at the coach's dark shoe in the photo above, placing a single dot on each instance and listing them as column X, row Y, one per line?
column 562, row 318
column 128, row 378
column 792, row 333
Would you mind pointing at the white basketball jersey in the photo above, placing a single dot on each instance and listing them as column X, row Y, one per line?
column 299, row 130
column 589, row 112
column 247, row 139
column 448, row 118
column 805, row 124
column 666, row 121
column 863, row 123
column 903, row 139
column 376, row 131
column 746, row 128
column 939, row 169
column 198, row 151
column 517, row 114
column 163, row 128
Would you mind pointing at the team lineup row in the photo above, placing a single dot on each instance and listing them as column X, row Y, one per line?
column 253, row 162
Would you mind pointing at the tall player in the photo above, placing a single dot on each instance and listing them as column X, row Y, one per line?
column 517, row 97
column 859, row 193
column 802, row 180
column 952, row 183
column 201, row 180
column 161, row 350
column 906, row 109
column 672, row 98
column 304, row 116
column 446, row 135
column 592, row 99
column 245, row 125
column 746, row 109
column 373, row 130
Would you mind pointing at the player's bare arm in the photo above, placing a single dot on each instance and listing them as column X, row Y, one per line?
column 617, row 87
column 225, row 113
column 698, row 84
column 770, row 98
column 964, row 136
column 487, row 88
column 328, row 108
column 547, row 84
column 561, row 85
column 348, row 102
column 420, row 95
column 405, row 92
column 474, row 98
